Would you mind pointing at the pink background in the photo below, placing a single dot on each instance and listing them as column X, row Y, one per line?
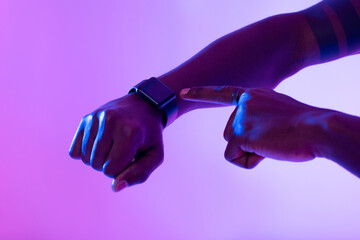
column 59, row 60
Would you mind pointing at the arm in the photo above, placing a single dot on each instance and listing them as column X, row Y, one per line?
column 269, row 124
column 265, row 53
column 340, row 140
column 260, row 55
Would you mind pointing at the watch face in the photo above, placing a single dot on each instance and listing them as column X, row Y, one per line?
column 156, row 92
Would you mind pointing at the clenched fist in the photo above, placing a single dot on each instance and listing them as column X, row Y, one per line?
column 123, row 138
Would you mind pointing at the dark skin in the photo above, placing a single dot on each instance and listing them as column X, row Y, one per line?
column 142, row 151
column 128, row 145
column 273, row 125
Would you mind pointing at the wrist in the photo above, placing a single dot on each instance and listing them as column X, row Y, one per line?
column 339, row 136
column 159, row 96
column 315, row 124
column 139, row 105
column 174, row 82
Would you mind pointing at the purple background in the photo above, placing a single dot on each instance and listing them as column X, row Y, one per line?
column 59, row 60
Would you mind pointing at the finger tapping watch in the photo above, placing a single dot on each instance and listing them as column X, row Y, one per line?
column 159, row 96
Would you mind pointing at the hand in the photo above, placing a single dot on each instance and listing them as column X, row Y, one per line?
column 123, row 139
column 264, row 124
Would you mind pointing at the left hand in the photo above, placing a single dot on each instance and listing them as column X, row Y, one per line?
column 264, row 124
column 122, row 138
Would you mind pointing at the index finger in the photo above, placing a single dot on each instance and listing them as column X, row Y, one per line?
column 75, row 147
column 227, row 95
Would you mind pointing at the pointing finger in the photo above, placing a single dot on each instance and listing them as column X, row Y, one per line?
column 227, row 95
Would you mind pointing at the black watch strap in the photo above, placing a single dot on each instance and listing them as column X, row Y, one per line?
column 159, row 96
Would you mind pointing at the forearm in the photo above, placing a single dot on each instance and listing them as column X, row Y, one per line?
column 259, row 55
column 265, row 53
column 340, row 140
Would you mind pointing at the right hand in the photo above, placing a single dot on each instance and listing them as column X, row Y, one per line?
column 265, row 124
column 122, row 138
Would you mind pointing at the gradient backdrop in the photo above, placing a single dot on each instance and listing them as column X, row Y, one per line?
column 59, row 60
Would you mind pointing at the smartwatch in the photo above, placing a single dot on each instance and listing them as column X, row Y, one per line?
column 159, row 96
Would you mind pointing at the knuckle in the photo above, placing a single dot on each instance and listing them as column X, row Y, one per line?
column 88, row 118
column 101, row 115
column 128, row 131
column 253, row 91
column 130, row 128
column 253, row 94
column 246, row 97
column 108, row 115
column 248, row 101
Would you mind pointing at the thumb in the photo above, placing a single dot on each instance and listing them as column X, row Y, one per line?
column 139, row 171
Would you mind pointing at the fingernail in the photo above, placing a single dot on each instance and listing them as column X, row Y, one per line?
column 184, row 91
column 118, row 186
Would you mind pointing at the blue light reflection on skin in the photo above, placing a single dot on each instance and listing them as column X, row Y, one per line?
column 240, row 115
